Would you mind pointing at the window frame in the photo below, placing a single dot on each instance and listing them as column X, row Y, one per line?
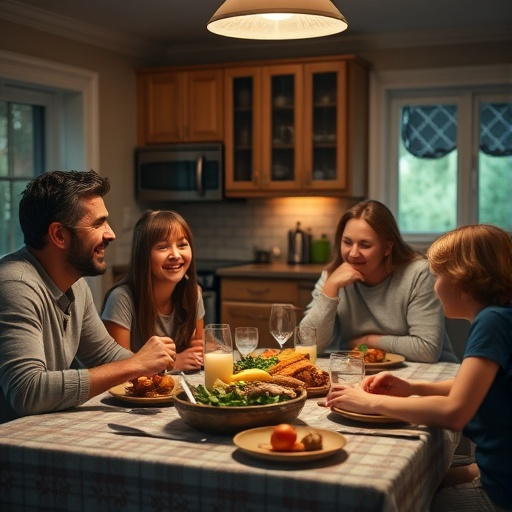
column 436, row 85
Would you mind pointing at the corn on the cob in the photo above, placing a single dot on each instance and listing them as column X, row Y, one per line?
column 277, row 368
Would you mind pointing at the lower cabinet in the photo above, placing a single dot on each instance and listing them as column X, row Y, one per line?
column 246, row 302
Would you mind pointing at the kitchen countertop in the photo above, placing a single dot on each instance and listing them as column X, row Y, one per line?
column 276, row 270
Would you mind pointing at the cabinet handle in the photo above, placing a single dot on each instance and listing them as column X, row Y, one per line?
column 199, row 175
column 257, row 291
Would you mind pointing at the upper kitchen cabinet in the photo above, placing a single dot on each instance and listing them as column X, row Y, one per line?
column 179, row 106
column 297, row 128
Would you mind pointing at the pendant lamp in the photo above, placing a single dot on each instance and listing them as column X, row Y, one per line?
column 277, row 19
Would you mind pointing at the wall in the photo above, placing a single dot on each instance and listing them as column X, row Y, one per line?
column 223, row 230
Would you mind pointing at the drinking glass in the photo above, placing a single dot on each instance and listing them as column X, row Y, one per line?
column 218, row 354
column 305, row 341
column 282, row 322
column 246, row 339
column 346, row 368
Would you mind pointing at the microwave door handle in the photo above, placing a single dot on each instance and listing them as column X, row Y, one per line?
column 199, row 175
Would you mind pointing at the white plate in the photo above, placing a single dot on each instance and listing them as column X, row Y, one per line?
column 256, row 442
column 389, row 361
column 365, row 418
column 120, row 393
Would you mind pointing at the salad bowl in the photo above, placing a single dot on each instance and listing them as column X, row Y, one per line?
column 228, row 420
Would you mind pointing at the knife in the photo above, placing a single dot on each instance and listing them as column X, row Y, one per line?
column 408, row 434
column 133, row 431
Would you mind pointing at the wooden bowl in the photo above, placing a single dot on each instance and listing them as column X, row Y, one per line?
column 230, row 420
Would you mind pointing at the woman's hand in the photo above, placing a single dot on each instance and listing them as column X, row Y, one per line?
column 191, row 358
column 344, row 275
column 386, row 384
column 156, row 355
column 351, row 399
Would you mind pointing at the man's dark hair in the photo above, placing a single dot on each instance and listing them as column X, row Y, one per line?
column 56, row 196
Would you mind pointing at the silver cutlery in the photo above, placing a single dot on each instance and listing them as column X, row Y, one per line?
column 187, row 389
column 154, row 432
column 404, row 433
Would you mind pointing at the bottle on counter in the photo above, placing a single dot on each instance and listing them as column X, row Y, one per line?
column 299, row 243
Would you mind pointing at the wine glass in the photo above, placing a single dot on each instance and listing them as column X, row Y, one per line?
column 282, row 322
column 346, row 368
column 246, row 339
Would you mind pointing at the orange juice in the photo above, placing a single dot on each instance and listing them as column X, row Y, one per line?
column 307, row 349
column 217, row 365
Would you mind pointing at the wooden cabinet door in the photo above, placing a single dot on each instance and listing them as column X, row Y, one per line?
column 203, row 97
column 242, row 135
column 325, row 126
column 180, row 106
column 160, row 107
column 253, row 314
column 282, row 124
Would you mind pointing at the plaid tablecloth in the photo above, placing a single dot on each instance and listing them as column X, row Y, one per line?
column 70, row 461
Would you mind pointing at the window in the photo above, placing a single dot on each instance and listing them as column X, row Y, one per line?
column 23, row 152
column 22, row 157
column 448, row 155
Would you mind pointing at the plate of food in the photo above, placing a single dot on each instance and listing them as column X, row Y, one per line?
column 318, row 391
column 157, row 389
column 377, row 358
column 389, row 360
column 365, row 418
column 257, row 443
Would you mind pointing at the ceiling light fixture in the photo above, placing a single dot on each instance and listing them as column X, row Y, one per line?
column 277, row 19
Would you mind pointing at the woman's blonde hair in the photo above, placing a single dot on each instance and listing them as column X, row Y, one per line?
column 478, row 261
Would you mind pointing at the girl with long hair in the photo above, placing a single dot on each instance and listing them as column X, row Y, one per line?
column 160, row 295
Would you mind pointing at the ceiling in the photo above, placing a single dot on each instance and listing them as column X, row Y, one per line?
column 167, row 26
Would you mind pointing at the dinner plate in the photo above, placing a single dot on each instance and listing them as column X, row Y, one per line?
column 256, row 442
column 389, row 361
column 120, row 393
column 318, row 391
column 366, row 418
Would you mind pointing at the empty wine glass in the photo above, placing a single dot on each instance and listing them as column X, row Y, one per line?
column 246, row 339
column 346, row 368
column 282, row 322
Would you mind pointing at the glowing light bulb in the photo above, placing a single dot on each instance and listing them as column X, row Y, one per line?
column 277, row 16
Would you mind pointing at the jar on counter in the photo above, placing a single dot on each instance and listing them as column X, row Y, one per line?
column 320, row 250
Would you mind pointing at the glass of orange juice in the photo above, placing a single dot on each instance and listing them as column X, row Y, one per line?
column 305, row 341
column 218, row 354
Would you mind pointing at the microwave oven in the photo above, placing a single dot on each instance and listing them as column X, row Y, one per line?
column 180, row 172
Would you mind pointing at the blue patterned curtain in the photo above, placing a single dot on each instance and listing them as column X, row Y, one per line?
column 431, row 131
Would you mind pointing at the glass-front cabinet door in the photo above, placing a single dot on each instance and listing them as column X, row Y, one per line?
column 282, row 126
column 325, row 134
column 242, row 136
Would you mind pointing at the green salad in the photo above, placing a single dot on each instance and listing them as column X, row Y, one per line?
column 237, row 394
column 262, row 363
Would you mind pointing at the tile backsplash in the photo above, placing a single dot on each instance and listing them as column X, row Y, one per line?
column 233, row 229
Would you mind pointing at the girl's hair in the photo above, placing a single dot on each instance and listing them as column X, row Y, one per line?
column 151, row 228
column 381, row 220
column 478, row 261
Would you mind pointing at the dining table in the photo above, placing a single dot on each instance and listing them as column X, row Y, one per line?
column 73, row 460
